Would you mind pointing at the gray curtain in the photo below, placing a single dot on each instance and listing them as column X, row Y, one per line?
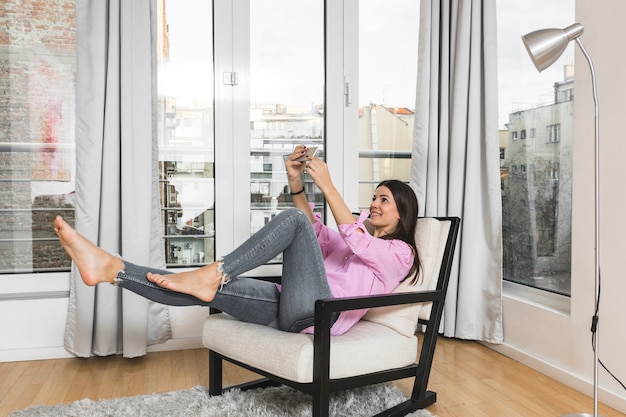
column 455, row 160
column 117, row 203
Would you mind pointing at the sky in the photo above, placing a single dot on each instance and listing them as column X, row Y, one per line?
column 287, row 38
column 520, row 85
column 388, row 35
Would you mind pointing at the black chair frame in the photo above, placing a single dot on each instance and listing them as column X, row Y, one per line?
column 322, row 386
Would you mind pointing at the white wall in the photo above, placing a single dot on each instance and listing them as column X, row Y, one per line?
column 34, row 310
column 34, row 328
column 559, row 344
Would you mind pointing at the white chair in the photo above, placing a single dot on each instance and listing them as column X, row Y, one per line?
column 383, row 346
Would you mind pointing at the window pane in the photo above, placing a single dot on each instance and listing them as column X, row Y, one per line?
column 536, row 168
column 37, row 135
column 287, row 98
column 388, row 36
column 185, row 131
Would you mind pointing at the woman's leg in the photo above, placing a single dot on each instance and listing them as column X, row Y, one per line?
column 247, row 299
column 304, row 276
column 290, row 232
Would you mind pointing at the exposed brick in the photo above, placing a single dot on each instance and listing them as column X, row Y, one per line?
column 37, row 80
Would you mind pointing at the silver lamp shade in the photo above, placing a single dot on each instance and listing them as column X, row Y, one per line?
column 546, row 45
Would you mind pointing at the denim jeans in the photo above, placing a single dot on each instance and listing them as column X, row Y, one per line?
column 303, row 278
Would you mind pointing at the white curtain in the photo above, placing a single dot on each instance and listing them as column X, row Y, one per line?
column 117, row 203
column 455, row 162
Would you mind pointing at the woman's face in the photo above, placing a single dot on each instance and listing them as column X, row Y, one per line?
column 384, row 214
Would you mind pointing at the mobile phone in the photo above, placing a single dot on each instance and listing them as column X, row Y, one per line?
column 309, row 152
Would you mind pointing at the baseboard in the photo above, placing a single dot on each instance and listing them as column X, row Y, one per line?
column 34, row 354
column 606, row 397
column 58, row 352
column 177, row 344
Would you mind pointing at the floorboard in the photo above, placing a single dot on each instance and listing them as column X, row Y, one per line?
column 470, row 379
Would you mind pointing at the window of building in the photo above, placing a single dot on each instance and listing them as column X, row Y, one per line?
column 523, row 134
column 536, row 199
column 37, row 135
column 553, row 133
column 514, row 135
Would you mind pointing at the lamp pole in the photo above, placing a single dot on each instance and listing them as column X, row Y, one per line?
column 544, row 47
column 596, row 316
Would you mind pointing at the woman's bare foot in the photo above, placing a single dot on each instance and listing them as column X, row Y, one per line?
column 202, row 283
column 94, row 264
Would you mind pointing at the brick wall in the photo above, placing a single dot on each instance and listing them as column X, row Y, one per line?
column 37, row 82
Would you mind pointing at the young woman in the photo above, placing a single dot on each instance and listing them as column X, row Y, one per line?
column 318, row 262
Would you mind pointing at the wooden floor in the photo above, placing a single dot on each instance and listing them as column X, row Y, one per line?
column 470, row 380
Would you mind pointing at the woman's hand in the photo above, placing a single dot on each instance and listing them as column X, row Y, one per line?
column 295, row 168
column 318, row 170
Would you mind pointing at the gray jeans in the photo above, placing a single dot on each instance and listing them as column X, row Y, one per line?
column 303, row 278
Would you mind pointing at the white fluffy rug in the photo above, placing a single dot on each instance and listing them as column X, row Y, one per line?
column 196, row 402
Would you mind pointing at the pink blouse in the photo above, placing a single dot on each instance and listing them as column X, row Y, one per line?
column 360, row 264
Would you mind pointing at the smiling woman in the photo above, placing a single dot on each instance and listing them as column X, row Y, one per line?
column 384, row 216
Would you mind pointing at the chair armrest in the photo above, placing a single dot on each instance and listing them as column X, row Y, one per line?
column 331, row 305
column 324, row 309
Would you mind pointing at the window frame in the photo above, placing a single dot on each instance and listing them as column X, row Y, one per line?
column 231, row 109
column 232, row 104
column 551, row 299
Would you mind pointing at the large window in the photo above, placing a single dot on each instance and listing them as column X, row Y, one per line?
column 285, row 47
column 37, row 132
column 536, row 172
column 388, row 37
column 276, row 57
column 185, row 131
column 286, row 98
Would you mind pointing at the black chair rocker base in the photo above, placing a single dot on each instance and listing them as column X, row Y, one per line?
column 322, row 385
column 402, row 409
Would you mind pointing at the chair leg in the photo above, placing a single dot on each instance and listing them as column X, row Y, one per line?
column 215, row 374
column 321, row 400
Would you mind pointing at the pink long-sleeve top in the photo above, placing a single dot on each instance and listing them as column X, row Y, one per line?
column 358, row 263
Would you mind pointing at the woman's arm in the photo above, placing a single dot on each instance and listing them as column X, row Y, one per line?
column 318, row 170
column 294, row 178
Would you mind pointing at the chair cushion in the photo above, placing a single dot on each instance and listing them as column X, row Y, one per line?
column 430, row 239
column 290, row 355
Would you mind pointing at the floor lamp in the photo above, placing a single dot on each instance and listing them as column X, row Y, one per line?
column 545, row 46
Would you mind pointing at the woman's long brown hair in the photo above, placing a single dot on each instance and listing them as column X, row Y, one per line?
column 406, row 203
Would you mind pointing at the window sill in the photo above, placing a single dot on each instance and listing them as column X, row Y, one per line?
column 537, row 297
column 34, row 286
